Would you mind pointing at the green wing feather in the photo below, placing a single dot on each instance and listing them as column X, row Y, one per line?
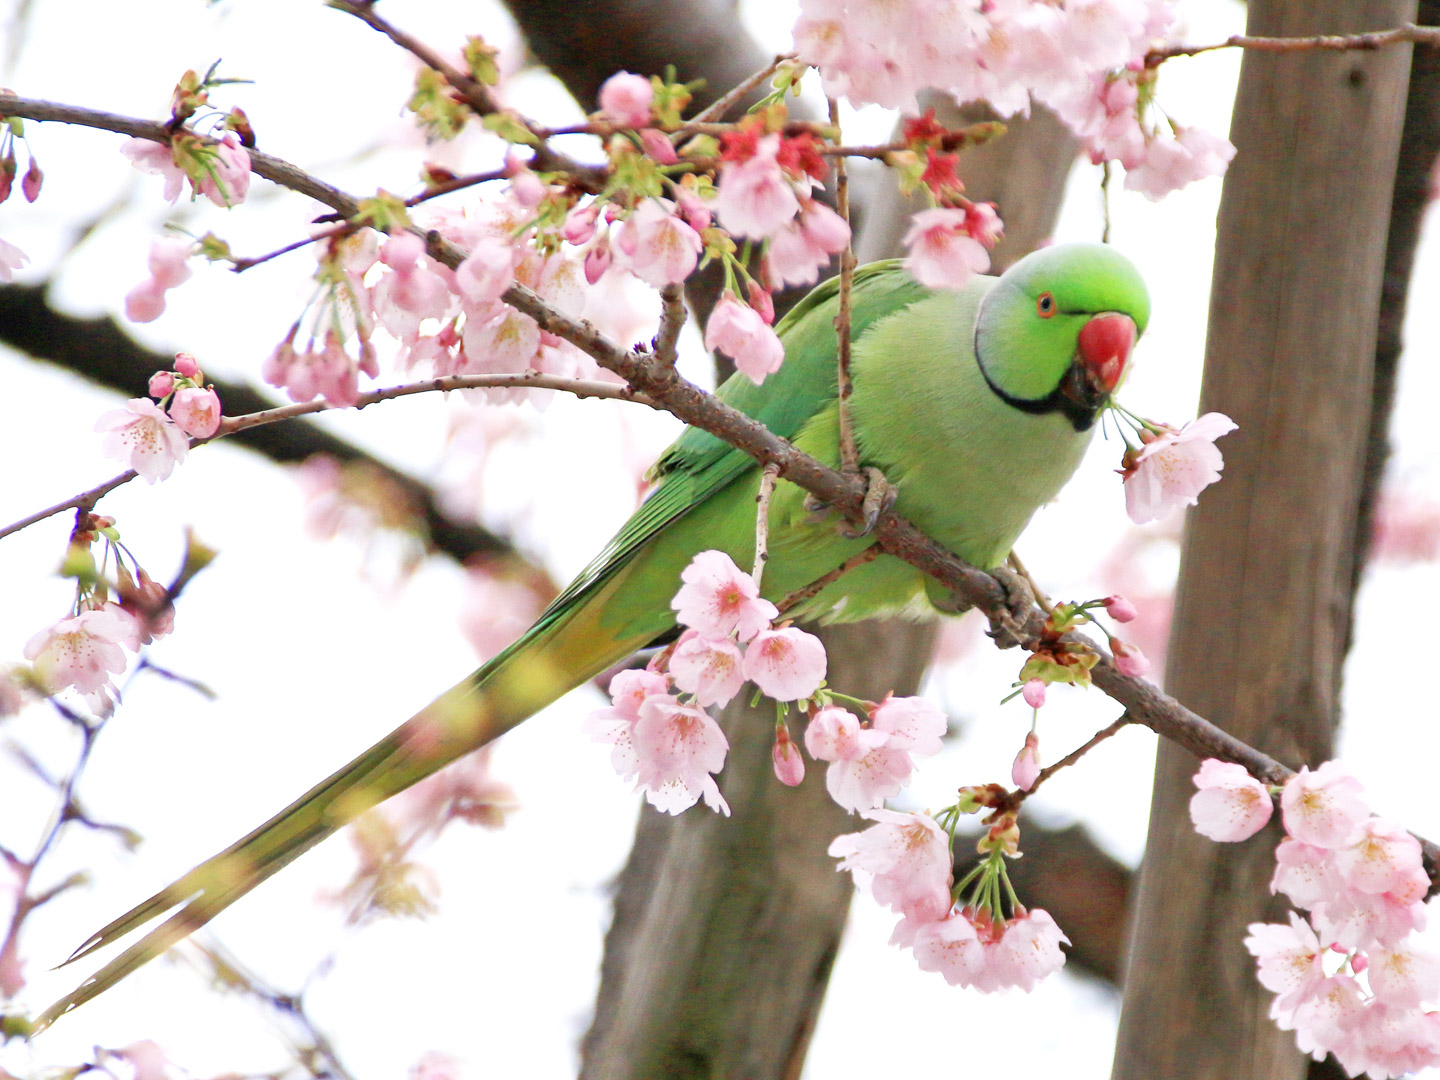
column 696, row 467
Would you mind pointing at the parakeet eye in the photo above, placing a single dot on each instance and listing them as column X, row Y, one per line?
column 1045, row 306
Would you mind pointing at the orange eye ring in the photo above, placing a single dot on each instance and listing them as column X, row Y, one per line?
column 1045, row 305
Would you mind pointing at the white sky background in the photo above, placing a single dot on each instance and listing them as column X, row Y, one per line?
column 312, row 665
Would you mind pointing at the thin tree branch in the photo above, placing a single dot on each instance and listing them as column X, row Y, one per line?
column 1375, row 39
column 717, row 109
column 230, row 425
column 849, row 460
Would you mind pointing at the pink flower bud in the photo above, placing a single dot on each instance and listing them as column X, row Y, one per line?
column 528, row 189
column 762, row 302
column 625, row 99
column 789, row 764
column 1026, row 768
column 161, row 383
column 7, row 178
column 658, row 146
column 1129, row 659
column 145, row 302
column 1120, row 609
column 196, row 411
column 185, row 365
column 30, row 186
column 580, row 224
column 597, row 261
column 1034, row 693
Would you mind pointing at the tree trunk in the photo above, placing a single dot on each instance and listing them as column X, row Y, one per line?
column 1263, row 603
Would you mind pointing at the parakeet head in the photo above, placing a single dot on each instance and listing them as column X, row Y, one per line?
column 1055, row 333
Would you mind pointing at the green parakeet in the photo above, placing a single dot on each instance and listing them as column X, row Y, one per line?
column 977, row 404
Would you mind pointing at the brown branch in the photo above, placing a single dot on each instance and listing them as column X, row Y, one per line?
column 799, row 596
column 849, row 459
column 1375, row 39
column 230, row 425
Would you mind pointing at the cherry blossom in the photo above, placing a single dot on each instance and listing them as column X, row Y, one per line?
column 487, row 271
column 11, row 259
column 943, row 254
column 1289, row 960
column 82, row 652
column 799, row 249
column 157, row 159
column 1172, row 468
column 913, row 723
column 1230, row 804
column 1171, row 163
column 616, row 724
column 710, row 668
column 737, row 330
column 904, row 859
column 718, row 599
column 1323, row 807
column 755, row 198
column 143, row 437
column 226, row 173
column 835, row 734
column 661, row 247
column 787, row 665
column 196, row 411
column 677, row 748
column 625, row 99
column 969, row 949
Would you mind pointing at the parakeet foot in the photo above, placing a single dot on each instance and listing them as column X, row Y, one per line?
column 1019, row 600
column 880, row 495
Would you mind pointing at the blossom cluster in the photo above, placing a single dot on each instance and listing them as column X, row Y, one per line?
column 1350, row 979
column 905, row 862
column 1086, row 59
column 665, row 740
column 152, row 439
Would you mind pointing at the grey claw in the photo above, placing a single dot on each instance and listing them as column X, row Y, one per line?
column 1019, row 599
column 880, row 496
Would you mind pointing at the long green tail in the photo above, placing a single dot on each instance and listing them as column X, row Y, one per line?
column 565, row 648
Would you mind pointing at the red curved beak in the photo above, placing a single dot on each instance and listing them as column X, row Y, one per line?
column 1105, row 344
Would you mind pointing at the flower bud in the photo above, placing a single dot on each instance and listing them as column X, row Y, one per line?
column 161, row 383
column 30, row 186
column 1026, row 768
column 789, row 764
column 1129, row 659
column 1120, row 609
column 1034, row 693
column 185, row 365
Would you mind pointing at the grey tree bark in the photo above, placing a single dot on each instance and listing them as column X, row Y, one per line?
column 1262, row 610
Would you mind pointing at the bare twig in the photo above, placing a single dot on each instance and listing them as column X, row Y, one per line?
column 1071, row 758
column 717, row 109
column 1375, row 39
column 799, row 596
column 458, row 183
column 849, row 460
column 86, row 500
column 762, row 520
column 672, row 320
column 1019, row 567
column 239, row 266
